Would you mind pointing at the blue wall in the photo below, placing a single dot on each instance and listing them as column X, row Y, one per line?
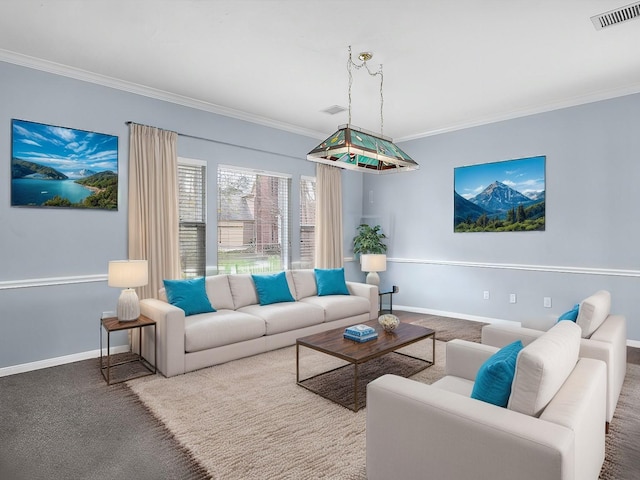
column 592, row 218
column 53, row 262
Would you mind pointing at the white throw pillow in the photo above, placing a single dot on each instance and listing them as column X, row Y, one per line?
column 542, row 367
column 593, row 311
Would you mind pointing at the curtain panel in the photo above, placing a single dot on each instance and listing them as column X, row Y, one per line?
column 329, row 235
column 153, row 204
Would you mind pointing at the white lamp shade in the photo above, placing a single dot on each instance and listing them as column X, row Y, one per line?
column 374, row 262
column 128, row 273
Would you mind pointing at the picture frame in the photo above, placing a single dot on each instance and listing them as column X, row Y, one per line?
column 60, row 167
column 505, row 196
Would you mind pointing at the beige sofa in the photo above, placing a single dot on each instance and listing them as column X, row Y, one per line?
column 551, row 429
column 604, row 337
column 242, row 327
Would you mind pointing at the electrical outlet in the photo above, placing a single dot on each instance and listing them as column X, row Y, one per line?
column 485, row 295
column 547, row 302
column 512, row 298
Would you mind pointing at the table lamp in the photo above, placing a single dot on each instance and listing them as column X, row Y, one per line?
column 128, row 274
column 373, row 263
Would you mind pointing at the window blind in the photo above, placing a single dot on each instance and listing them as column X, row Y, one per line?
column 253, row 221
column 192, row 212
column 307, row 222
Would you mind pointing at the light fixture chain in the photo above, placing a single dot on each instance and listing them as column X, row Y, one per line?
column 351, row 63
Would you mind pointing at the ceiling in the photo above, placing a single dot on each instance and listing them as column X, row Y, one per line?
column 447, row 64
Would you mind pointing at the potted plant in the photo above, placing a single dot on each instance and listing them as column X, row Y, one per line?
column 369, row 240
column 368, row 244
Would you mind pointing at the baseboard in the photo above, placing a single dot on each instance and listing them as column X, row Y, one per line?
column 463, row 316
column 54, row 362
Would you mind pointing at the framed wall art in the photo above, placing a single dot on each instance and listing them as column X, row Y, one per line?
column 60, row 167
column 506, row 196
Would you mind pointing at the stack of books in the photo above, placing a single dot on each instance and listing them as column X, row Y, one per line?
column 360, row 333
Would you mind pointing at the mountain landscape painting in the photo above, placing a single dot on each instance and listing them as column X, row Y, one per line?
column 63, row 167
column 506, row 196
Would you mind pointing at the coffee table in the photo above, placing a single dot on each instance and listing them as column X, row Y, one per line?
column 331, row 342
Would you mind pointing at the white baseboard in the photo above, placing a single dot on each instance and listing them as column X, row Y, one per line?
column 53, row 362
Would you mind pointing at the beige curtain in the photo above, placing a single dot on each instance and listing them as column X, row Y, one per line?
column 153, row 204
column 329, row 251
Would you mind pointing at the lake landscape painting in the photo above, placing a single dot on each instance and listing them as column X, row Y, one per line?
column 63, row 167
column 507, row 196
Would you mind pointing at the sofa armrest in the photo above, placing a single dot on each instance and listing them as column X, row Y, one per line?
column 463, row 358
column 413, row 428
column 370, row 292
column 170, row 335
column 501, row 335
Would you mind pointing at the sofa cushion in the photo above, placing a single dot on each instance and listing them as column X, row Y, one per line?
column 305, row 283
column 219, row 292
column 283, row 317
column 189, row 295
column 272, row 288
column 210, row 330
column 542, row 367
column 493, row 380
column 330, row 281
column 593, row 312
column 571, row 314
column 243, row 290
column 337, row 307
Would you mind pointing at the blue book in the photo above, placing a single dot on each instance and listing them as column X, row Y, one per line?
column 359, row 330
column 361, row 338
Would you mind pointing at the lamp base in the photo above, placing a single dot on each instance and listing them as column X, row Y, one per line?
column 128, row 306
column 373, row 278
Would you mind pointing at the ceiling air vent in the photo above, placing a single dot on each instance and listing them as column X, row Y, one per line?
column 334, row 109
column 616, row 16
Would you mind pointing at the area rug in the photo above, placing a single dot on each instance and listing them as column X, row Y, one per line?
column 247, row 419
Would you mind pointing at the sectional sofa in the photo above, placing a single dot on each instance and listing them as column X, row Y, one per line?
column 240, row 326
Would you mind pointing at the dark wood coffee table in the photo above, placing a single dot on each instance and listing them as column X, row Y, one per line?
column 332, row 343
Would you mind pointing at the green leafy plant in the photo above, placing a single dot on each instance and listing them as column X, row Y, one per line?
column 369, row 240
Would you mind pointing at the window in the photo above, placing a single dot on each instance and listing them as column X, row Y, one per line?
column 307, row 222
column 192, row 185
column 253, row 221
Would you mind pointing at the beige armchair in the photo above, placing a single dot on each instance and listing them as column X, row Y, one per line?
column 552, row 428
column 604, row 337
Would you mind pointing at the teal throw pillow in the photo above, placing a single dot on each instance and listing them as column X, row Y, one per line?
column 189, row 295
column 331, row 281
column 494, row 378
column 571, row 314
column 272, row 288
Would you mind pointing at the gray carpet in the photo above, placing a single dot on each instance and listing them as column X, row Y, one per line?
column 65, row 423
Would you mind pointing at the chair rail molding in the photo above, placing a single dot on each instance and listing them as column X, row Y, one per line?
column 49, row 281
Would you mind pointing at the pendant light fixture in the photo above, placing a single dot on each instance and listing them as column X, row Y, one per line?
column 356, row 149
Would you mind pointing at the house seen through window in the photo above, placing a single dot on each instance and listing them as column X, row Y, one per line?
column 253, row 221
column 307, row 222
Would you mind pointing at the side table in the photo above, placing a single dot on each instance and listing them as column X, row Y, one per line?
column 112, row 324
column 382, row 293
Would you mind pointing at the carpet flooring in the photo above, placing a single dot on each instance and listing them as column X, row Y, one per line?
column 65, row 423
column 241, row 420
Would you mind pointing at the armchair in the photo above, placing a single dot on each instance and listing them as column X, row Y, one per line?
column 604, row 337
column 417, row 431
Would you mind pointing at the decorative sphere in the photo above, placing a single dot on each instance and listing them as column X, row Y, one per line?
column 388, row 322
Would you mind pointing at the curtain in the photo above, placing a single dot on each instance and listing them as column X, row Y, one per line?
column 329, row 251
column 153, row 204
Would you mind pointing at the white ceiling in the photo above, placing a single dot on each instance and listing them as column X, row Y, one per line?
column 447, row 64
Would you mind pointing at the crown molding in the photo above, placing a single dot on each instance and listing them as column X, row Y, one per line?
column 532, row 110
column 137, row 89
